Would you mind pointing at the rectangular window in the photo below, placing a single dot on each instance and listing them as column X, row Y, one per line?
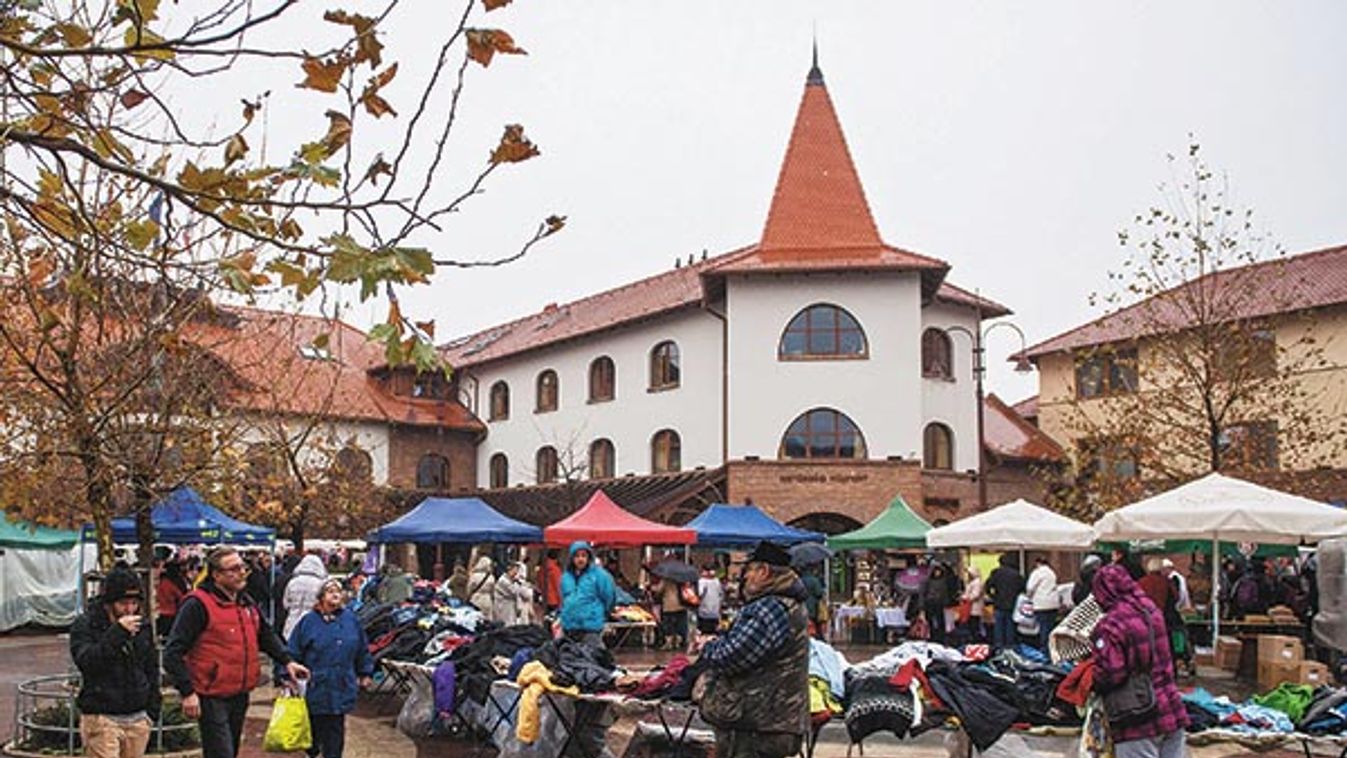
column 1249, row 446
column 1102, row 374
column 1107, row 458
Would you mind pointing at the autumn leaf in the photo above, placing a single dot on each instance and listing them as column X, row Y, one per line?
column 74, row 35
column 483, row 44
column 377, row 168
column 235, row 149
column 321, row 75
column 249, row 110
column 139, row 39
column 368, row 46
column 371, row 99
column 140, row 234
column 514, row 146
column 554, row 224
column 491, row 5
column 338, row 132
column 133, row 97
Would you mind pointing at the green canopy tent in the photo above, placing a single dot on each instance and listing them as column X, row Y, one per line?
column 39, row 579
column 30, row 537
column 897, row 528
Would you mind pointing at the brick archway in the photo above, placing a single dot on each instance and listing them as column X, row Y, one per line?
column 827, row 523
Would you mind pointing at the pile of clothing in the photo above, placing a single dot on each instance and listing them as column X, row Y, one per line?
column 920, row 685
column 423, row 632
column 1318, row 711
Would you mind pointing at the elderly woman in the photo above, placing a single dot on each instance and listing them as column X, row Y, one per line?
column 512, row 597
column 330, row 642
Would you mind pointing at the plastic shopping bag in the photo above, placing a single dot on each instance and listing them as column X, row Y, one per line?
column 288, row 731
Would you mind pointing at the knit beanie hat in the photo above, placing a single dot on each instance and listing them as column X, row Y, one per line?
column 121, row 584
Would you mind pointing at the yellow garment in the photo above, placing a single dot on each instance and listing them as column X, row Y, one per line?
column 821, row 697
column 534, row 679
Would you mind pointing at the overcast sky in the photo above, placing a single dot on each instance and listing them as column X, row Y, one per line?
column 1011, row 140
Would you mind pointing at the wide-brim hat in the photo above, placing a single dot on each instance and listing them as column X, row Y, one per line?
column 771, row 554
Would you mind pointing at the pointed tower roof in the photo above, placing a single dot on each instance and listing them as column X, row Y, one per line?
column 819, row 218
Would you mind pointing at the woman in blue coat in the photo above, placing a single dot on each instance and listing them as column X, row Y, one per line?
column 332, row 645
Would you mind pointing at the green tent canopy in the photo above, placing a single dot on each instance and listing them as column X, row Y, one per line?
column 897, row 528
column 1228, row 549
column 27, row 537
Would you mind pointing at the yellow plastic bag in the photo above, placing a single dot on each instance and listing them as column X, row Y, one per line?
column 288, row 731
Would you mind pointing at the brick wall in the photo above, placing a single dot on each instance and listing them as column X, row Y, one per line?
column 406, row 445
column 788, row 490
column 1005, row 482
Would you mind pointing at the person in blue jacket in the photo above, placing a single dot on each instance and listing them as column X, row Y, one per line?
column 588, row 595
column 332, row 645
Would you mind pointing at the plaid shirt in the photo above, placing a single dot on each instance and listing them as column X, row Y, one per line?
column 1122, row 644
column 760, row 630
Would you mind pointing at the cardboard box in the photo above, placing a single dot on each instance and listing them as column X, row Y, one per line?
column 1227, row 652
column 1273, row 673
column 1313, row 673
column 1275, row 647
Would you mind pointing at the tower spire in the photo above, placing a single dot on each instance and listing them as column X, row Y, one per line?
column 815, row 73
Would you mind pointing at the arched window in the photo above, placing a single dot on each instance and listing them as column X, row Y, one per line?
column 547, row 391
column 267, row 464
column 351, row 464
column 500, row 471
column 432, row 472
column 666, row 452
column 602, row 380
column 937, row 353
column 665, row 372
column 500, row 401
column 602, row 459
column 822, row 331
column 545, row 463
column 938, row 447
column 822, row 433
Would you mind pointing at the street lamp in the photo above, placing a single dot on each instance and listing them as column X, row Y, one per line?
column 978, row 337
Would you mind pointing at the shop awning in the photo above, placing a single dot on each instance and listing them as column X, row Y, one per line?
column 1020, row 525
column 184, row 518
column 464, row 519
column 897, row 528
column 722, row 525
column 603, row 522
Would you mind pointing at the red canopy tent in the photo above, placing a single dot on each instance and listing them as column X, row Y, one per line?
column 603, row 522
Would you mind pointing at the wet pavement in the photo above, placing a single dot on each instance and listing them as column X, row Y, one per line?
column 372, row 731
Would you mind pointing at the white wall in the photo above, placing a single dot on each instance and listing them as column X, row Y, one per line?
column 328, row 437
column 629, row 420
column 881, row 394
column 954, row 403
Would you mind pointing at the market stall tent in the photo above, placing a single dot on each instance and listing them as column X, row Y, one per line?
column 185, row 518
column 603, row 522
column 1219, row 508
column 464, row 519
column 897, row 528
column 39, row 575
column 722, row 525
column 1019, row 525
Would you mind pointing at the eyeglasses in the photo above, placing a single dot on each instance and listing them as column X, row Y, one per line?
column 241, row 568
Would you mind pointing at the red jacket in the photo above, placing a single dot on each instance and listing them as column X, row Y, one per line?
column 225, row 659
column 169, row 594
column 549, row 579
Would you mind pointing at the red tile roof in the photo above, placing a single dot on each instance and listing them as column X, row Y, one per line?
column 959, row 296
column 1027, row 408
column 1283, row 285
column 1007, row 435
column 264, row 350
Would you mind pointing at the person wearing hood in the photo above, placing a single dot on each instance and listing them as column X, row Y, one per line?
column 511, row 597
column 1125, row 642
column 482, row 587
column 1003, row 587
column 458, row 583
column 1084, row 585
column 113, row 648
column 213, row 652
column 331, row 643
column 588, row 595
column 301, row 592
column 761, row 665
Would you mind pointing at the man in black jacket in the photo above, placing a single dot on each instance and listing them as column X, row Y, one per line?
column 1003, row 587
column 119, row 693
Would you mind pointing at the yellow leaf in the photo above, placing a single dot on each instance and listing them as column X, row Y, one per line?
column 321, row 75
column 141, row 39
column 140, row 234
column 74, row 35
column 235, row 149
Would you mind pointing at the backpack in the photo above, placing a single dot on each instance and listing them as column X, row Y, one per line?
column 1245, row 593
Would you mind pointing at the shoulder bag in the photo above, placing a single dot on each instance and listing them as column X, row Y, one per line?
column 1134, row 699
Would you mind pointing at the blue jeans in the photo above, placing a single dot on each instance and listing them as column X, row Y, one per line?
column 1003, row 629
column 1046, row 621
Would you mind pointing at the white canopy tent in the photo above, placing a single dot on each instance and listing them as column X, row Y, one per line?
column 1019, row 525
column 1224, row 509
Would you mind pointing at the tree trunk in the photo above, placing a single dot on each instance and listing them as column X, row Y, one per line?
column 143, row 503
column 98, row 502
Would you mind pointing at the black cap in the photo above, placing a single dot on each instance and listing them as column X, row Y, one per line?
column 770, row 553
column 121, row 584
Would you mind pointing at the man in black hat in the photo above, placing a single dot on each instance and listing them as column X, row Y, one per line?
column 759, row 701
column 119, row 692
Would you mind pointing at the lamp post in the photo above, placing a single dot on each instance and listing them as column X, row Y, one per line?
column 978, row 338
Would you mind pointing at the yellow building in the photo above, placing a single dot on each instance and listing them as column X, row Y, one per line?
column 1242, row 370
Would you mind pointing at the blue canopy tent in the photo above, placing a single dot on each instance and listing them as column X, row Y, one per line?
column 730, row 526
column 463, row 519
column 184, row 518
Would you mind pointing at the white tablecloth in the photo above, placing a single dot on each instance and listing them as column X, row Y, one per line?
column 891, row 618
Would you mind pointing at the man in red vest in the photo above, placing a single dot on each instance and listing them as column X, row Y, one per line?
column 213, row 655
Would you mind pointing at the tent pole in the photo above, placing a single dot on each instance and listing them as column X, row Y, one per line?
column 1215, row 593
